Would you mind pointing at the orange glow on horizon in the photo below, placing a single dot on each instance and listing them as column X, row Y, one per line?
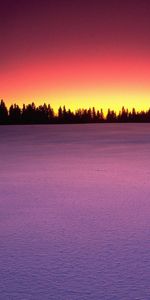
column 103, row 82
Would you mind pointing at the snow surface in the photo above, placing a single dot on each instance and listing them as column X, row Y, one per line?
column 75, row 212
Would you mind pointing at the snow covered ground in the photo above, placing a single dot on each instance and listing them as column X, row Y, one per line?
column 75, row 212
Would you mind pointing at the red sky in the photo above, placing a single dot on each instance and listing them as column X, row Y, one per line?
column 78, row 53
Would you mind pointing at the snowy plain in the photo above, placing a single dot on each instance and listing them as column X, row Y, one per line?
column 75, row 212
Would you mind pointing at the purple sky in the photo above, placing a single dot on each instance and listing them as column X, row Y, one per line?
column 29, row 28
column 39, row 30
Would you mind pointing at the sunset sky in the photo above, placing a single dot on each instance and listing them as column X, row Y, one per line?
column 77, row 53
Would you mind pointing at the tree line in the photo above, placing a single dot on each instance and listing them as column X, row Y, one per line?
column 44, row 114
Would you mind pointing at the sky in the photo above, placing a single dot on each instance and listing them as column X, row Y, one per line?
column 75, row 53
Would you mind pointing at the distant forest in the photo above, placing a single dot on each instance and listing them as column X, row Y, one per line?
column 44, row 114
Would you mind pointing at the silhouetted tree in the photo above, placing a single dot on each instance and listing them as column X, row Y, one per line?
column 44, row 114
column 14, row 114
column 111, row 116
column 3, row 113
column 50, row 114
column 123, row 115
